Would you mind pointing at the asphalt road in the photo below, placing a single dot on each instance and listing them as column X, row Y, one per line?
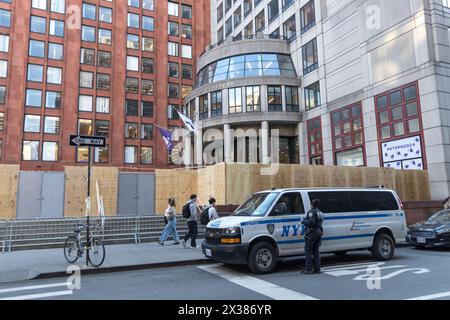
column 413, row 273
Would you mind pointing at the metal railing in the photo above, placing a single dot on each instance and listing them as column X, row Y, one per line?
column 37, row 233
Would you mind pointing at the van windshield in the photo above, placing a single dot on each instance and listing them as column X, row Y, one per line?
column 257, row 205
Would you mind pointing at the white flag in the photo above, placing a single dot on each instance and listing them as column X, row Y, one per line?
column 188, row 122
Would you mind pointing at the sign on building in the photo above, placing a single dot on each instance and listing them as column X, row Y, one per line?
column 403, row 154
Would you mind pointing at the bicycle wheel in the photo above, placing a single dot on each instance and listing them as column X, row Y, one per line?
column 71, row 249
column 97, row 252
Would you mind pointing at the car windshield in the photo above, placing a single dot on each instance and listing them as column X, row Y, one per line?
column 441, row 216
column 257, row 205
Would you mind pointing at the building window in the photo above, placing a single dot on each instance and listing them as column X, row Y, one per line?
column 102, row 128
column 248, row 31
column 102, row 105
column 146, row 155
column 130, row 155
column 3, row 68
column 227, row 5
column 220, row 12
column 36, row 49
column 273, row 10
column 173, row 69
column 53, row 100
column 5, row 18
column 55, row 51
column 186, row 11
column 173, row 29
column 174, row 90
column 147, row 44
column 260, row 21
column 147, row 109
column 32, row 124
column 38, row 24
column 310, row 57
column 89, row 11
column 104, row 59
column 203, row 106
column 173, row 9
column 147, row 65
column 54, row 75
column 105, row 15
column 286, row 4
column 186, row 31
column 86, row 79
column 148, row 23
column 187, row 71
column 172, row 112
column 133, row 20
column 132, row 108
column 85, row 103
column 235, row 100
column 173, row 49
column 30, row 151
column 312, row 96
column 398, row 119
column 104, row 36
column 274, row 98
column 185, row 91
column 2, row 121
column 4, row 43
column 131, row 130
column 307, row 16
column 2, row 94
column 146, row 132
column 132, row 63
column 253, row 94
column 50, row 151
column 248, row 7
column 315, row 143
column 237, row 16
column 292, row 101
column 88, row 34
column 228, row 26
column 101, row 155
column 35, row 73
column 56, row 28
column 33, row 98
column 186, row 51
column 132, row 85
column 51, row 125
column 85, row 127
column 289, row 29
column 103, row 81
column 147, row 87
column 133, row 41
column 216, row 103
column 348, row 136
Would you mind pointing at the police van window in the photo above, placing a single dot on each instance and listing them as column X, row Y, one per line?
column 332, row 201
column 289, row 204
column 373, row 201
column 257, row 205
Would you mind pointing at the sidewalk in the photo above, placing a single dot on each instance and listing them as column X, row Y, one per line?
column 30, row 264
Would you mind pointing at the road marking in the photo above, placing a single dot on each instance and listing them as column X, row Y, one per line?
column 44, row 286
column 353, row 265
column 432, row 296
column 347, row 272
column 40, row 295
column 260, row 286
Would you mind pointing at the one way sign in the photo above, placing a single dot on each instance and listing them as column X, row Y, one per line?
column 85, row 141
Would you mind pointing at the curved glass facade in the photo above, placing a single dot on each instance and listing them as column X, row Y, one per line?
column 249, row 65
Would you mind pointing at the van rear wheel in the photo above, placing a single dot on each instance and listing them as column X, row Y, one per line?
column 262, row 258
column 383, row 247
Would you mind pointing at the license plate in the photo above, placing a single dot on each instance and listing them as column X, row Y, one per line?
column 208, row 252
column 421, row 240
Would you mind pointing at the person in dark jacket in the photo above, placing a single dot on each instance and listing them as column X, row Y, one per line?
column 313, row 237
column 192, row 223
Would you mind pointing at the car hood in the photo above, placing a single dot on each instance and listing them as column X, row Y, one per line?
column 427, row 225
column 230, row 221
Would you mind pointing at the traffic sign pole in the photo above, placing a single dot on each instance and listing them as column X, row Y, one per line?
column 88, row 204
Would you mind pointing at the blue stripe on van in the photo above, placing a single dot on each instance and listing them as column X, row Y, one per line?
column 362, row 216
column 369, row 235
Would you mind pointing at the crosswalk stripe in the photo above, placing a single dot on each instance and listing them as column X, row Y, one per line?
column 432, row 296
column 44, row 286
column 260, row 286
column 40, row 295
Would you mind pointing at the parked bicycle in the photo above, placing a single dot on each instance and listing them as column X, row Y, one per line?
column 74, row 247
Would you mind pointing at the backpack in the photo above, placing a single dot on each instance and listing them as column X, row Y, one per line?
column 204, row 218
column 319, row 220
column 186, row 210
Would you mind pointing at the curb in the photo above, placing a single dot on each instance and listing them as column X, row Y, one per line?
column 100, row 270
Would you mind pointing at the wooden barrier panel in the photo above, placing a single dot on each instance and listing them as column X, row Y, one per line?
column 75, row 194
column 230, row 184
column 9, row 180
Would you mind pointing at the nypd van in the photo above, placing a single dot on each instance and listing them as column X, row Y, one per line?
column 267, row 227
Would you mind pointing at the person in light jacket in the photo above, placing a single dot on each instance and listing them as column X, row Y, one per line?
column 171, row 227
column 212, row 211
column 192, row 223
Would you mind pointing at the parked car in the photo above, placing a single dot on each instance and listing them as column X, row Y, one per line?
column 435, row 232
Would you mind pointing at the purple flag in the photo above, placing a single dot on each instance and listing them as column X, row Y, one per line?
column 167, row 135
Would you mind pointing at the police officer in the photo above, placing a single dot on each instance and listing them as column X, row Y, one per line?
column 313, row 237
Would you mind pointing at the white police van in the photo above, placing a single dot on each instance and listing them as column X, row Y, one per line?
column 267, row 226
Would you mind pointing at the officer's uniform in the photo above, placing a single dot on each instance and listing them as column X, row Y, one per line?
column 313, row 238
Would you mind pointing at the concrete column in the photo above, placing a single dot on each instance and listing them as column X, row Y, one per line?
column 265, row 142
column 228, row 145
column 225, row 101
column 303, row 157
column 198, row 138
column 283, row 98
column 264, row 102
column 187, row 152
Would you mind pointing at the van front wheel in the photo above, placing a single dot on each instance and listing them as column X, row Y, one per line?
column 383, row 247
column 262, row 258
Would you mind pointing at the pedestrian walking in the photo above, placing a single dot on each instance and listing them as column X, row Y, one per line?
column 190, row 211
column 171, row 224
column 313, row 221
column 209, row 213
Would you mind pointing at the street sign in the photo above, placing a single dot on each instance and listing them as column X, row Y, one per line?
column 86, row 141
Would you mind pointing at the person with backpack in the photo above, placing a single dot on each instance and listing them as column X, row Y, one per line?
column 171, row 224
column 210, row 213
column 190, row 213
column 313, row 221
